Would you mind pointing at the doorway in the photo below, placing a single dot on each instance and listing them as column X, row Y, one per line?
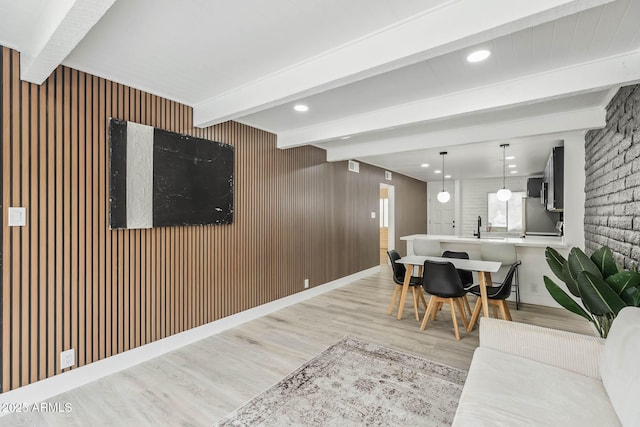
column 442, row 216
column 386, row 215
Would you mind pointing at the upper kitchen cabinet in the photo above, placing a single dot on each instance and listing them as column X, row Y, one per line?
column 534, row 185
column 553, row 181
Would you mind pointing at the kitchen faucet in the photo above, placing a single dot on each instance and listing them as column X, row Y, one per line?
column 479, row 224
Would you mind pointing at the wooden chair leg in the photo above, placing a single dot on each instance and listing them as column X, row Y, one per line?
column 475, row 315
column 425, row 320
column 467, row 307
column 396, row 294
column 495, row 311
column 437, row 308
column 415, row 303
column 460, row 306
column 424, row 301
column 504, row 308
column 454, row 319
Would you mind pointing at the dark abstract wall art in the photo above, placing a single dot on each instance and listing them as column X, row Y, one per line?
column 160, row 178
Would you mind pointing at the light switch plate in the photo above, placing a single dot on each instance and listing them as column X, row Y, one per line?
column 373, row 215
column 17, row 217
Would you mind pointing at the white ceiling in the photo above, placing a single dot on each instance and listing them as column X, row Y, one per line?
column 389, row 74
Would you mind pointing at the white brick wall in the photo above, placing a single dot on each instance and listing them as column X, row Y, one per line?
column 612, row 185
column 473, row 200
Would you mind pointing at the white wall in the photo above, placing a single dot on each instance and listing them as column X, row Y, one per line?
column 574, row 195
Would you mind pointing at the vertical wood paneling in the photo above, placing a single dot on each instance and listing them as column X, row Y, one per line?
column 25, row 233
column 82, row 260
column 73, row 231
column 88, row 285
column 42, row 235
column 51, row 230
column 70, row 282
column 15, row 234
column 66, row 209
column 101, row 217
column 34, row 225
column 5, row 116
column 97, row 119
column 108, row 244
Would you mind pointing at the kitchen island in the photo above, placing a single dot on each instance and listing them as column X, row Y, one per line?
column 530, row 251
column 529, row 241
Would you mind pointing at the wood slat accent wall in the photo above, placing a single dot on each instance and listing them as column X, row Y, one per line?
column 411, row 212
column 70, row 282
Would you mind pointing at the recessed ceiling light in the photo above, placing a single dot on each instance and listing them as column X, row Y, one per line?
column 437, row 171
column 514, row 171
column 424, row 165
column 447, row 176
column 510, row 157
column 511, row 166
column 301, row 107
column 478, row 55
column 346, row 137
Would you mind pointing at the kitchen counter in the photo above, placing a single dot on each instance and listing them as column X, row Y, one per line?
column 530, row 250
column 529, row 241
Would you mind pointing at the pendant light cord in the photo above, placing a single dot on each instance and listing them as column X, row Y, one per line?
column 504, row 170
column 443, row 196
column 442, row 171
column 504, row 193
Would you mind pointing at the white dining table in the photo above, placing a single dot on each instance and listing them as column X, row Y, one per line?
column 483, row 268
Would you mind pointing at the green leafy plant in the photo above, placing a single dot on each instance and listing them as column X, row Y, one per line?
column 598, row 282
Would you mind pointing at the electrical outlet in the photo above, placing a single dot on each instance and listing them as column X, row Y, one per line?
column 17, row 217
column 67, row 358
column 534, row 288
column 306, row 283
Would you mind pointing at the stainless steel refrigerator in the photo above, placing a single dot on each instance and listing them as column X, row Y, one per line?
column 537, row 221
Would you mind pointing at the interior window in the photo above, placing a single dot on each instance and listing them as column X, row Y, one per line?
column 505, row 216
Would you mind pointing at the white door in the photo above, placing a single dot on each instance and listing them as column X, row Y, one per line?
column 441, row 215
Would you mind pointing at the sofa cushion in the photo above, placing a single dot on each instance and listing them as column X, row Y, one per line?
column 507, row 390
column 619, row 365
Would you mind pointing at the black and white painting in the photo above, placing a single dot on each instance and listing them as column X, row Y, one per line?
column 160, row 178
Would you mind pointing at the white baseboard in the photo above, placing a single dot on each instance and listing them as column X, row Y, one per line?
column 542, row 298
column 50, row 387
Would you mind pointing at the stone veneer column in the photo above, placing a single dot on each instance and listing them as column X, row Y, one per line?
column 612, row 180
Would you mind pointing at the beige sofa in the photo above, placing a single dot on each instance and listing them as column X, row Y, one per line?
column 524, row 375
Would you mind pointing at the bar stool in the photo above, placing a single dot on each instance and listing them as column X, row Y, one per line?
column 426, row 247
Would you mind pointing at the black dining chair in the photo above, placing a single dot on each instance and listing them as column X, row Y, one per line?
column 506, row 254
column 442, row 281
column 399, row 271
column 466, row 276
column 496, row 296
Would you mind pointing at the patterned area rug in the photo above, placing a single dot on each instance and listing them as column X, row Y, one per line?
column 358, row 383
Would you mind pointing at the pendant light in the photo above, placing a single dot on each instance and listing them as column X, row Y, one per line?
column 443, row 196
column 504, row 193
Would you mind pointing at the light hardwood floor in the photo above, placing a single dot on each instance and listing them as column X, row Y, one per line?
column 205, row 381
